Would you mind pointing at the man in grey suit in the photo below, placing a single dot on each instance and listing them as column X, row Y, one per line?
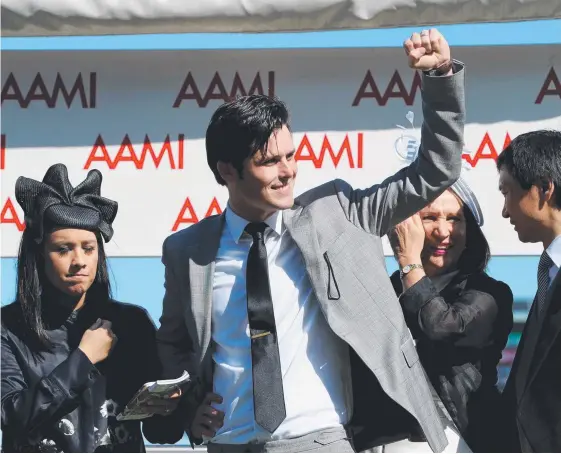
column 282, row 309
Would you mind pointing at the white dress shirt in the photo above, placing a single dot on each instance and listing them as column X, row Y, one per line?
column 554, row 252
column 314, row 361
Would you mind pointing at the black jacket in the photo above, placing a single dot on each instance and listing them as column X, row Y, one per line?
column 57, row 400
column 532, row 395
column 461, row 328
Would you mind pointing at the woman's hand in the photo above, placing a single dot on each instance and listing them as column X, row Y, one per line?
column 98, row 341
column 407, row 240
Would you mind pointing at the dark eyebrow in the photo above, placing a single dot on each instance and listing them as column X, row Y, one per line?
column 62, row 244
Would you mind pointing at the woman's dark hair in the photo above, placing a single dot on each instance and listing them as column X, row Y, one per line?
column 476, row 255
column 240, row 128
column 31, row 281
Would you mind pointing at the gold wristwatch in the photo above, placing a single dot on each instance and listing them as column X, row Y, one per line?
column 407, row 268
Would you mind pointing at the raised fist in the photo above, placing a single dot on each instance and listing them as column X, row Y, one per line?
column 427, row 50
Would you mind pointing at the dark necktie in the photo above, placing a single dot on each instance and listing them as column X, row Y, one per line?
column 268, row 395
column 543, row 281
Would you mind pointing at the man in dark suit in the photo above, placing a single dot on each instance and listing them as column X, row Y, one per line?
column 530, row 180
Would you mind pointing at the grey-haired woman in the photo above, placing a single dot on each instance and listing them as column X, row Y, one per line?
column 459, row 316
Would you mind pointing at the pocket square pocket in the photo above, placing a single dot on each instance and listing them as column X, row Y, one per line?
column 333, row 292
column 410, row 352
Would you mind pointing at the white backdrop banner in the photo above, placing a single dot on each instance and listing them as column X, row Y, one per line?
column 95, row 17
column 141, row 117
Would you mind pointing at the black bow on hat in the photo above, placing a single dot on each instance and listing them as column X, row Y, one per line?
column 54, row 202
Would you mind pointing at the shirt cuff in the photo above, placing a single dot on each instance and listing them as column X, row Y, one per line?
column 457, row 66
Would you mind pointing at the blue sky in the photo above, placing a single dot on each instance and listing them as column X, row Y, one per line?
column 491, row 34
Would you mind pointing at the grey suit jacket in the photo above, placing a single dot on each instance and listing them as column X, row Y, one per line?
column 338, row 230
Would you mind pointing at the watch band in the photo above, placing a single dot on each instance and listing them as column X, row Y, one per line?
column 407, row 268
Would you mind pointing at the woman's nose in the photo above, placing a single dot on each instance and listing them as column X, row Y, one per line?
column 442, row 230
column 78, row 260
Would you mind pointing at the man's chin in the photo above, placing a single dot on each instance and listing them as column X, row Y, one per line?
column 526, row 239
column 285, row 204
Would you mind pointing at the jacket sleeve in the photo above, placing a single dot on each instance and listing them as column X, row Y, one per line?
column 468, row 321
column 175, row 352
column 157, row 429
column 29, row 407
column 438, row 164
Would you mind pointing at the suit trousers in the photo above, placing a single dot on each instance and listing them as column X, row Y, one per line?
column 327, row 440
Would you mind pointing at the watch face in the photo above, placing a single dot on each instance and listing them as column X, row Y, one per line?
column 407, row 268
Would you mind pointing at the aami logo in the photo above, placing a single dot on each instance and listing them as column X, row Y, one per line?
column 2, row 151
column 316, row 150
column 137, row 153
column 83, row 93
column 188, row 215
column 486, row 150
column 9, row 215
column 396, row 88
column 218, row 90
column 550, row 87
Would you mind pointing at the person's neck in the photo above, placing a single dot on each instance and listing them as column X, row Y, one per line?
column 431, row 271
column 249, row 213
column 72, row 303
column 552, row 229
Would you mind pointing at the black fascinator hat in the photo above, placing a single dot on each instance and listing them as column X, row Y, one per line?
column 54, row 202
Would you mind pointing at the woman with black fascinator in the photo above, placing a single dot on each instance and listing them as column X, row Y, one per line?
column 71, row 356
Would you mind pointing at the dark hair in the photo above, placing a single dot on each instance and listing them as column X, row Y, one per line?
column 534, row 159
column 31, row 281
column 240, row 128
column 476, row 255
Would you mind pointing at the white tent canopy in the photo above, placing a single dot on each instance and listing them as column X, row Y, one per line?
column 105, row 17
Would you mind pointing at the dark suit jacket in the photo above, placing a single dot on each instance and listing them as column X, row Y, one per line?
column 532, row 396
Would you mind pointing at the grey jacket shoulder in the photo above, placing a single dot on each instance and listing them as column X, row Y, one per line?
column 186, row 240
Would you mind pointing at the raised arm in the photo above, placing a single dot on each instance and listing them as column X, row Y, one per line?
column 437, row 166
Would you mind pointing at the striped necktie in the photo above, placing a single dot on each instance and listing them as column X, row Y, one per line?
column 543, row 280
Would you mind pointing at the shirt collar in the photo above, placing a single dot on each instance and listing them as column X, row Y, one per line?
column 236, row 224
column 554, row 251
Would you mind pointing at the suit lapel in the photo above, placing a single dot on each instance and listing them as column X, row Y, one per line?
column 548, row 328
column 201, row 274
column 301, row 229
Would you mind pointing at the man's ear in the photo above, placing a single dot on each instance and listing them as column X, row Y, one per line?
column 547, row 191
column 227, row 171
